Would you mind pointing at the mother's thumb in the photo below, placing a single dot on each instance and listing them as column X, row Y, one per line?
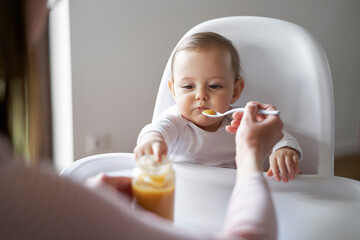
column 250, row 111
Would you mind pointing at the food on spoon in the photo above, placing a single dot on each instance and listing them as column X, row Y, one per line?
column 209, row 111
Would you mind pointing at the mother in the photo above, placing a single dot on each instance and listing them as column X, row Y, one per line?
column 38, row 204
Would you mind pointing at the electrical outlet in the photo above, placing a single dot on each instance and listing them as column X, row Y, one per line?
column 96, row 143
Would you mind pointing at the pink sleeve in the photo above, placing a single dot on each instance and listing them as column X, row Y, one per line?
column 250, row 214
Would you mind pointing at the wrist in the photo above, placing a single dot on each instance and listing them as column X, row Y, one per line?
column 248, row 160
column 152, row 136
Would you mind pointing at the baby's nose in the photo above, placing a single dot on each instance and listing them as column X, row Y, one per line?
column 201, row 95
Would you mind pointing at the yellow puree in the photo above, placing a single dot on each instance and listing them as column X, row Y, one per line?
column 156, row 194
column 209, row 111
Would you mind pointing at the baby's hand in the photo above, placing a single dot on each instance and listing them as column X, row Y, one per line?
column 284, row 162
column 151, row 143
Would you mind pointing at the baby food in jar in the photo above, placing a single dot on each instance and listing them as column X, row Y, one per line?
column 153, row 185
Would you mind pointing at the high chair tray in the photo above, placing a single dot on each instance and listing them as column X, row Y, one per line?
column 310, row 207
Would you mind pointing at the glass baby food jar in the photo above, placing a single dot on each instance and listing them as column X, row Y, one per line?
column 153, row 185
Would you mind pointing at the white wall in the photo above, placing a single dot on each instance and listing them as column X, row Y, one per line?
column 120, row 49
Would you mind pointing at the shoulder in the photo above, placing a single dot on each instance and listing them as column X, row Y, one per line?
column 172, row 115
column 170, row 112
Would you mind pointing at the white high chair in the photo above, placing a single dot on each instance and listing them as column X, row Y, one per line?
column 283, row 65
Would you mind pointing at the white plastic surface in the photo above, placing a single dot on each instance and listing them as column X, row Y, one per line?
column 310, row 207
column 283, row 65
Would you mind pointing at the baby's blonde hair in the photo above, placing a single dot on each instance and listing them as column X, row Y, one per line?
column 209, row 40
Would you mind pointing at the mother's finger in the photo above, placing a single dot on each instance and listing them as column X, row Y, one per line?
column 233, row 126
column 250, row 111
column 230, row 129
column 264, row 106
column 237, row 115
column 122, row 184
column 235, row 123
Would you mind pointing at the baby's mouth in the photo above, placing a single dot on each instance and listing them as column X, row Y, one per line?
column 201, row 108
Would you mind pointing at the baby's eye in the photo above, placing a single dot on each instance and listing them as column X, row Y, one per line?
column 215, row 86
column 187, row 86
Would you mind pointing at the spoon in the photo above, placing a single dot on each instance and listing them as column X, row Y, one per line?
column 214, row 114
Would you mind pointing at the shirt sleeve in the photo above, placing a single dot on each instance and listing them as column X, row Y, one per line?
column 289, row 141
column 168, row 124
column 251, row 213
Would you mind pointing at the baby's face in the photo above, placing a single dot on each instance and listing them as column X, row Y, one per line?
column 204, row 80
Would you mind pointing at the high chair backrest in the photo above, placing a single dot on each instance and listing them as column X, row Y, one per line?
column 282, row 64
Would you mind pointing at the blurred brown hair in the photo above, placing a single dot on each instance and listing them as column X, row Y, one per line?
column 13, row 60
column 25, row 110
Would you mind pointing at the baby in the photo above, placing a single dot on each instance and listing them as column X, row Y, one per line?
column 206, row 75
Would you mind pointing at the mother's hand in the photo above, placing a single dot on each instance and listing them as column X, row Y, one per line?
column 120, row 184
column 255, row 136
column 237, row 116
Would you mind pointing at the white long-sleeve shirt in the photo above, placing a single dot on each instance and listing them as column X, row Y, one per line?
column 188, row 143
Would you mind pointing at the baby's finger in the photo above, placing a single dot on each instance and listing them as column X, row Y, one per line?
column 156, row 150
column 163, row 149
column 296, row 164
column 269, row 172
column 283, row 170
column 138, row 152
column 290, row 167
column 275, row 169
column 148, row 151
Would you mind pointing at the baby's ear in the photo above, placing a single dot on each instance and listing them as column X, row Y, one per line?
column 171, row 86
column 238, row 88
